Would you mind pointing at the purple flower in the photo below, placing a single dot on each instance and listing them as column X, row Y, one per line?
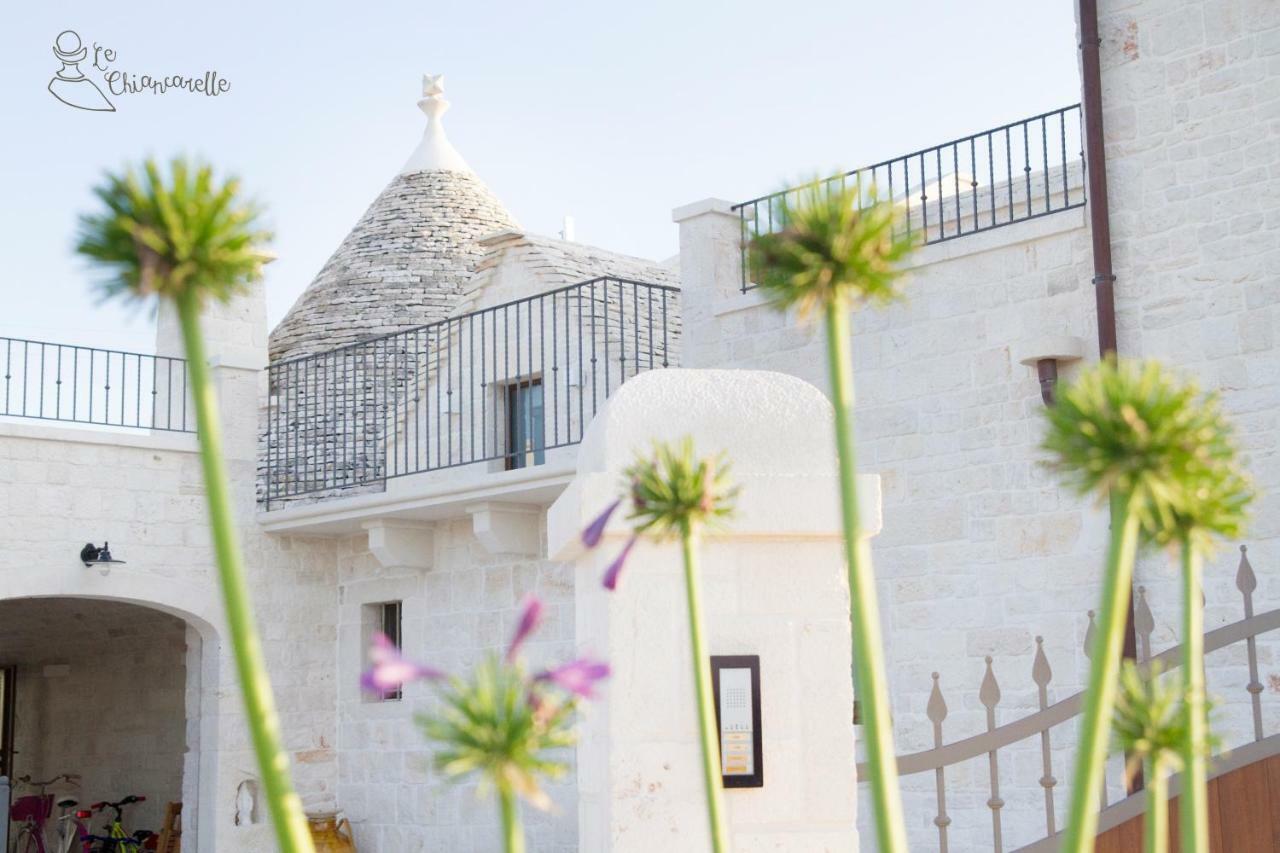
column 529, row 620
column 390, row 669
column 591, row 536
column 578, row 676
column 615, row 568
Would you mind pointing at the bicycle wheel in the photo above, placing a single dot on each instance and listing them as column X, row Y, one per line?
column 27, row 841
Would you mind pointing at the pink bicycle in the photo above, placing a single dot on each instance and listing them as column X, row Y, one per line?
column 33, row 812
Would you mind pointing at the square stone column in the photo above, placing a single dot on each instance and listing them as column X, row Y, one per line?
column 774, row 585
column 710, row 275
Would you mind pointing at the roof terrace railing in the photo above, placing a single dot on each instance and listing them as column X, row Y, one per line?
column 503, row 385
column 1011, row 173
column 88, row 385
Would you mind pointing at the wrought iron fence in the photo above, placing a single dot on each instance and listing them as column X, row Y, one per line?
column 504, row 385
column 1035, row 729
column 1011, row 173
column 88, row 385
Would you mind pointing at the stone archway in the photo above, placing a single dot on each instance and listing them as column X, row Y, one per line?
column 149, row 721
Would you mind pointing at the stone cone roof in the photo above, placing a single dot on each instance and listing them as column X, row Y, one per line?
column 409, row 258
column 405, row 263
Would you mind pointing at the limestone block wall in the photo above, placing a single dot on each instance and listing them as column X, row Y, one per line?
column 61, row 486
column 1191, row 97
column 461, row 608
column 981, row 551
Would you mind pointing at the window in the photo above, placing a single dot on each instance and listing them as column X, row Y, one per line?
column 7, row 691
column 389, row 624
column 526, row 436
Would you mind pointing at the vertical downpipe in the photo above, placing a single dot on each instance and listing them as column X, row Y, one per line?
column 1104, row 279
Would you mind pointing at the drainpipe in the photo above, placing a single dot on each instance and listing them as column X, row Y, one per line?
column 1104, row 279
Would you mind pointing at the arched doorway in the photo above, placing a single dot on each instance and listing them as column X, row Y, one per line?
column 112, row 691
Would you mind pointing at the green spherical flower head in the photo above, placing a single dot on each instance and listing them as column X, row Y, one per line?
column 181, row 235
column 496, row 726
column 833, row 246
column 1150, row 719
column 1134, row 429
column 675, row 488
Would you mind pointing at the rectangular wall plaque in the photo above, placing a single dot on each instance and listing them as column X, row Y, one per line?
column 735, row 684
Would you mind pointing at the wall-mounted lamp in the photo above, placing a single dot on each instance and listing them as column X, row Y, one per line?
column 91, row 555
column 1047, row 354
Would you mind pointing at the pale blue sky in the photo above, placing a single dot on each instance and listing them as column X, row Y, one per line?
column 614, row 113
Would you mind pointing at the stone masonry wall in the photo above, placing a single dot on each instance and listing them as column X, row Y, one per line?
column 464, row 607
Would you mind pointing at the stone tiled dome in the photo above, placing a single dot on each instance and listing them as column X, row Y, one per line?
column 408, row 259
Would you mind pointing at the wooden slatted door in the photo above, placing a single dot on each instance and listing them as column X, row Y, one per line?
column 1244, row 814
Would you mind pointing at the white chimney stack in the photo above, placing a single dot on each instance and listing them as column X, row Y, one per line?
column 566, row 231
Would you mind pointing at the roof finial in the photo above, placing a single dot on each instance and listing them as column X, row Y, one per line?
column 434, row 153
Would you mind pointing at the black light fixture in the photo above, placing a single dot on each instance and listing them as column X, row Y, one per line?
column 91, row 555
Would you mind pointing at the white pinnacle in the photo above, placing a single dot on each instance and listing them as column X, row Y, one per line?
column 434, row 153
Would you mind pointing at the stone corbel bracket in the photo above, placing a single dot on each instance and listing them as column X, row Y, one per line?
column 507, row 528
column 400, row 544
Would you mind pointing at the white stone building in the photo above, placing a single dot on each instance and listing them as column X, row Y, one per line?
column 420, row 438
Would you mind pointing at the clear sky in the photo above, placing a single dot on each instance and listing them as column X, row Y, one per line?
column 612, row 112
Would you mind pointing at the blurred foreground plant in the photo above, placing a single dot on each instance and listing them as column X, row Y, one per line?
column 191, row 238
column 500, row 722
column 1162, row 455
column 1150, row 719
column 836, row 251
column 674, row 496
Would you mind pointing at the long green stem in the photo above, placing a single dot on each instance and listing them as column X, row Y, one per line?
column 1193, row 804
column 1100, row 697
column 512, row 831
column 864, row 612
column 1155, row 835
column 702, row 683
column 264, row 725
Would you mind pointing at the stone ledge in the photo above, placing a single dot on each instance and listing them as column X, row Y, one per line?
column 76, row 433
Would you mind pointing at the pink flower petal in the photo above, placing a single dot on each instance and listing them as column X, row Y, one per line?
column 390, row 669
column 529, row 621
column 595, row 530
column 578, row 677
column 615, row 568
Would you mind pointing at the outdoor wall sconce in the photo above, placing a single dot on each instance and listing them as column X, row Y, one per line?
column 91, row 555
column 735, row 684
column 1047, row 354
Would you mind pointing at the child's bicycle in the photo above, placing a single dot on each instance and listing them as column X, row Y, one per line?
column 117, row 840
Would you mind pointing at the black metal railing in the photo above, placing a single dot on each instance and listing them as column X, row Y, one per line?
column 88, row 385
column 1012, row 173
column 503, row 385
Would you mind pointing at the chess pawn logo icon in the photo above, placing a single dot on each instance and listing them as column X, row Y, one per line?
column 70, row 85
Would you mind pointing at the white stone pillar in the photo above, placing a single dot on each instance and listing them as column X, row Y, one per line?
column 774, row 585
column 710, row 274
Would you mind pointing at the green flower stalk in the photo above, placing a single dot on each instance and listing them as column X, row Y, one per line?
column 191, row 238
column 1132, row 432
column 1214, row 502
column 675, row 495
column 835, row 252
column 1149, row 725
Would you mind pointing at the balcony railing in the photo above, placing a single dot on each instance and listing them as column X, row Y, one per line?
column 1012, row 173
column 87, row 385
column 503, row 385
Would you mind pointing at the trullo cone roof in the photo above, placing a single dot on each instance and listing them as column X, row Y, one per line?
column 408, row 259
